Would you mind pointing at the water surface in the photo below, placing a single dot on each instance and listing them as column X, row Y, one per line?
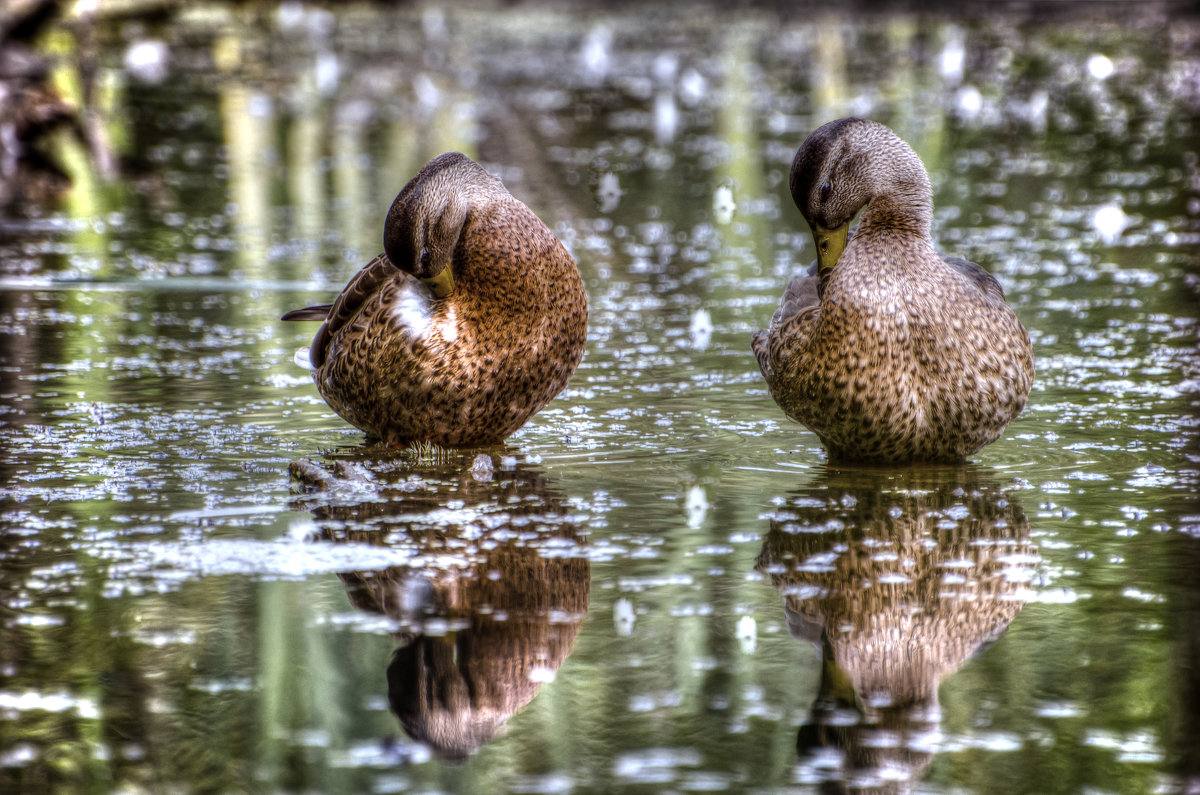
column 658, row 584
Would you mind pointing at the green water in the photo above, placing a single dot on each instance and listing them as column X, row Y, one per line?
column 660, row 585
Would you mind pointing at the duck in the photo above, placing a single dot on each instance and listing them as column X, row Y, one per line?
column 472, row 319
column 887, row 350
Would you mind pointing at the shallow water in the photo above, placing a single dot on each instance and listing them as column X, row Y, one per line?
column 658, row 584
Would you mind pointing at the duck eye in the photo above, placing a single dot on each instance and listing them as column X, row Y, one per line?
column 826, row 189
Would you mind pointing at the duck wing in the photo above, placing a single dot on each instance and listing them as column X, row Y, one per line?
column 802, row 292
column 364, row 284
column 983, row 280
column 801, row 298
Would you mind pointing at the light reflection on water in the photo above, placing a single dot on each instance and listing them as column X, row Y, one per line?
column 489, row 604
column 171, row 610
column 896, row 579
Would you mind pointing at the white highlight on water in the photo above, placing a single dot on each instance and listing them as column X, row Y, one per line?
column 148, row 61
column 594, row 56
column 609, row 192
column 700, row 329
column 623, row 617
column 723, row 204
column 696, row 506
column 969, row 102
column 953, row 58
column 1109, row 221
column 693, row 88
column 747, row 633
column 1100, row 66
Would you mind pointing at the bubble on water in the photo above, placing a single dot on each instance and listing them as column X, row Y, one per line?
column 747, row 633
column 623, row 617
column 482, row 468
column 723, row 204
column 696, row 506
column 608, row 192
column 700, row 329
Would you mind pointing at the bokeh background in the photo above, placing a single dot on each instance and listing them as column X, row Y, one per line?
column 207, row 583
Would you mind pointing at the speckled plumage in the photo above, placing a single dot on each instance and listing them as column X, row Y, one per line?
column 895, row 353
column 470, row 368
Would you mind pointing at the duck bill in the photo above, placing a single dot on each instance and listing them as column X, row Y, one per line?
column 442, row 284
column 830, row 244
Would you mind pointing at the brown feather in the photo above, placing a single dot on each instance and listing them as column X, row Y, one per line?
column 468, row 369
column 900, row 353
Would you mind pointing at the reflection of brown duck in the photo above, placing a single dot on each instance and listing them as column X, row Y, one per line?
column 897, row 577
column 491, row 605
column 891, row 352
column 472, row 319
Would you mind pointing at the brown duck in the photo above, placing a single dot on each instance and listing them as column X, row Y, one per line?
column 889, row 352
column 472, row 319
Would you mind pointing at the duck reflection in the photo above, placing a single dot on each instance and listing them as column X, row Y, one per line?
column 494, row 596
column 897, row 577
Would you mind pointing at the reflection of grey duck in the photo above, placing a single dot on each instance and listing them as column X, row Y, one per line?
column 472, row 319
column 891, row 352
column 491, row 605
column 898, row 577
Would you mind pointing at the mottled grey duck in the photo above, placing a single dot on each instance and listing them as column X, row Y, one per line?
column 889, row 351
column 472, row 319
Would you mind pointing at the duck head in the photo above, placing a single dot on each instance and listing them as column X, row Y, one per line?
column 850, row 164
column 426, row 220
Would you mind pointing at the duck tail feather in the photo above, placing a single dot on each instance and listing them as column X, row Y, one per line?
column 309, row 313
